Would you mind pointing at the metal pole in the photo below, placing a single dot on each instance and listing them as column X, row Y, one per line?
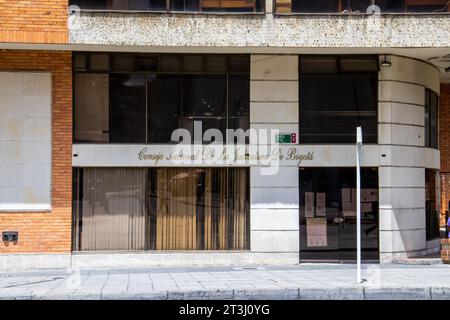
column 358, row 204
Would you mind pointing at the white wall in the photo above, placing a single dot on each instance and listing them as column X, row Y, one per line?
column 25, row 141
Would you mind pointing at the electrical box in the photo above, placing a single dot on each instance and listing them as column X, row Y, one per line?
column 10, row 236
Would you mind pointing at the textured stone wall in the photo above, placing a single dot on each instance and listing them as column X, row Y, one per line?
column 47, row 232
column 200, row 30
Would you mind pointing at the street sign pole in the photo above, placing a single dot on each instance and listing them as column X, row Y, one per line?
column 358, row 203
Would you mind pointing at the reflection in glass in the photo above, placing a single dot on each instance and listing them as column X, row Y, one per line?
column 350, row 101
column 328, row 213
column 91, row 107
column 128, row 111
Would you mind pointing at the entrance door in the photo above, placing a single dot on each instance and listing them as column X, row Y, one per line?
column 328, row 214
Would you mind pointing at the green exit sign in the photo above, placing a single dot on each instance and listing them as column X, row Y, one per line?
column 286, row 138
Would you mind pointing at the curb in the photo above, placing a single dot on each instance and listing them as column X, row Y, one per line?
column 349, row 293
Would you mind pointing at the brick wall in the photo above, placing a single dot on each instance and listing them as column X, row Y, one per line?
column 37, row 21
column 444, row 145
column 51, row 231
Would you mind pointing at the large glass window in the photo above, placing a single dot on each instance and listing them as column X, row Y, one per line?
column 143, row 98
column 173, row 5
column 360, row 6
column 161, row 209
column 328, row 214
column 337, row 94
column 431, row 119
column 431, row 203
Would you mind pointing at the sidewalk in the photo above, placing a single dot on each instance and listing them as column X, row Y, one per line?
column 288, row 282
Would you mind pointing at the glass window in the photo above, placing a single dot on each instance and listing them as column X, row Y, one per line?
column 99, row 62
column 431, row 119
column 185, row 5
column 359, row 6
column 315, row 6
column 193, row 64
column 238, row 106
column 128, row 108
column 432, row 210
column 183, row 209
column 109, row 209
column 173, row 5
column 170, row 64
column 350, row 101
column 199, row 209
column 147, row 62
column 91, row 107
column 80, row 62
column 123, row 62
column 146, row 97
column 328, row 213
column 164, row 106
column 318, row 64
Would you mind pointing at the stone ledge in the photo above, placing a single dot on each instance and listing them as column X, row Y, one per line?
column 312, row 31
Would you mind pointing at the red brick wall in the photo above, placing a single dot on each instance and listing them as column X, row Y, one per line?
column 36, row 21
column 444, row 145
column 50, row 231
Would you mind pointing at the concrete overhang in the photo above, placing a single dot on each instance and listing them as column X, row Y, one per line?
column 421, row 36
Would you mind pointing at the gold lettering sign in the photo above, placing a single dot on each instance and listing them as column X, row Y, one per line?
column 218, row 154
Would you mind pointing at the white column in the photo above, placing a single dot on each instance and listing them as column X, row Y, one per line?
column 275, row 198
column 401, row 137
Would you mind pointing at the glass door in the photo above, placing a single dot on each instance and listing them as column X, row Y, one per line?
column 328, row 214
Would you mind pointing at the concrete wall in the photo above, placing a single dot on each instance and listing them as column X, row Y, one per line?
column 401, row 135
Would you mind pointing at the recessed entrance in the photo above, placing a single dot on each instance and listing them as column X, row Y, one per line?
column 328, row 214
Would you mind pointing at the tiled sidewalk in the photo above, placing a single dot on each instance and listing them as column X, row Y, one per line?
column 290, row 282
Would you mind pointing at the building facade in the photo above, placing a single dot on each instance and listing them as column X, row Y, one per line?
column 221, row 132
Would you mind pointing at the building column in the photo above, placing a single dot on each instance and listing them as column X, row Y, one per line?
column 274, row 197
column 401, row 136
